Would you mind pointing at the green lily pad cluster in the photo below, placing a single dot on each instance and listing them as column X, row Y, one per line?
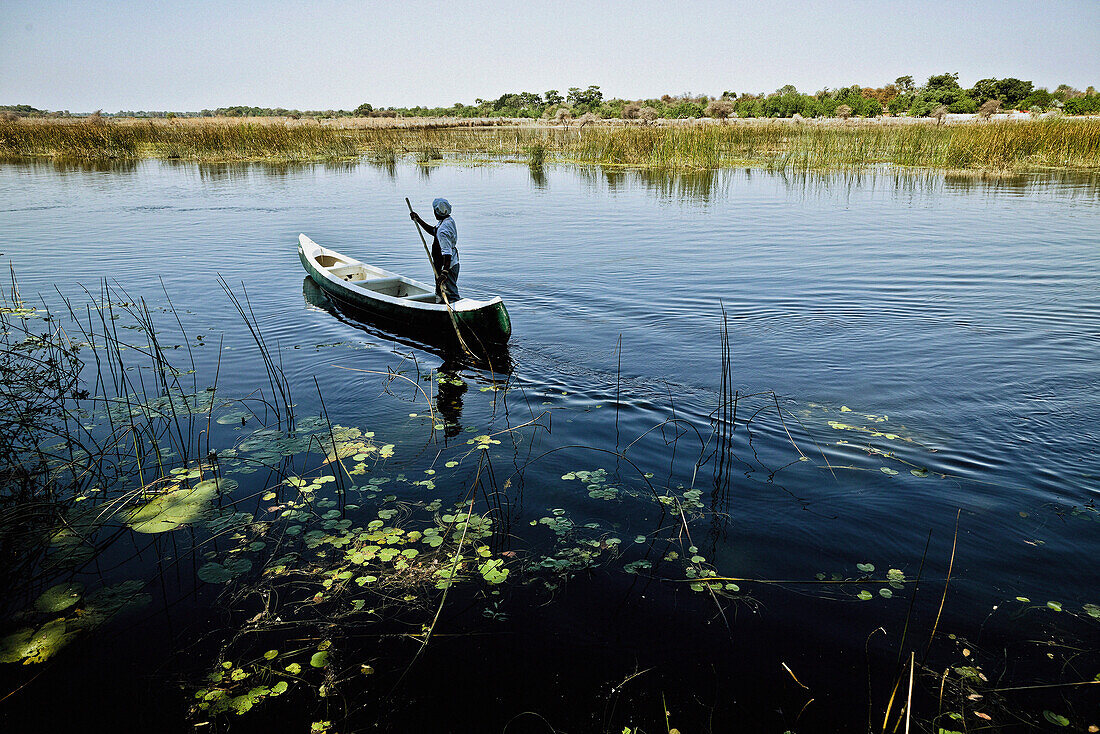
column 452, row 380
column 688, row 501
column 894, row 580
column 576, row 548
column 483, row 442
column 237, row 688
column 697, row 567
column 174, row 404
column 595, row 482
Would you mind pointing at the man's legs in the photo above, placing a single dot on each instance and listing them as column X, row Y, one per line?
column 449, row 283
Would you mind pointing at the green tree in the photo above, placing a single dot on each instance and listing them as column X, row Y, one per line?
column 1040, row 98
column 364, row 109
column 1088, row 104
column 900, row 104
column 1010, row 91
column 938, row 82
column 984, row 90
column 904, row 84
column 586, row 98
column 683, row 109
column 942, row 90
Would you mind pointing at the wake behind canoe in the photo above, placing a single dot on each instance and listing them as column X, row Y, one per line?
column 404, row 304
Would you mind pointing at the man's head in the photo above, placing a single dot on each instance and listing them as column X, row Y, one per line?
column 442, row 209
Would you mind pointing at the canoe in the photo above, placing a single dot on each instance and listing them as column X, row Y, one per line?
column 404, row 304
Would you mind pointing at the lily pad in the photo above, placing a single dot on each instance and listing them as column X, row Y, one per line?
column 866, row 567
column 319, row 659
column 16, row 646
column 1056, row 719
column 493, row 572
column 865, row 595
column 60, row 597
column 35, row 647
column 177, row 507
column 102, row 604
column 216, row 573
column 240, row 417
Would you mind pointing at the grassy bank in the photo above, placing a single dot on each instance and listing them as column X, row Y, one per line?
column 1006, row 146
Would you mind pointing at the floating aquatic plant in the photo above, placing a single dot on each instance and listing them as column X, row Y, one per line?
column 59, row 597
column 177, row 506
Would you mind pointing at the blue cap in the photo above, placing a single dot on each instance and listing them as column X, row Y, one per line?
column 442, row 207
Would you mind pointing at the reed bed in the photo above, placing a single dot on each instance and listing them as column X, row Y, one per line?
column 1000, row 146
column 211, row 142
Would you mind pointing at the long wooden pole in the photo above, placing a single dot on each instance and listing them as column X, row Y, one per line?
column 439, row 284
column 426, row 250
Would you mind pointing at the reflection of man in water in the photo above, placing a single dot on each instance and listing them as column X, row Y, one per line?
column 444, row 249
column 448, row 400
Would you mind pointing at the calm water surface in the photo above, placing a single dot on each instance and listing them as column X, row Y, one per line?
column 944, row 324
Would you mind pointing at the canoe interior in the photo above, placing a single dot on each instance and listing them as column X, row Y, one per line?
column 373, row 279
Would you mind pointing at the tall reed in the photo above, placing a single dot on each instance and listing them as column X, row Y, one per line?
column 1006, row 146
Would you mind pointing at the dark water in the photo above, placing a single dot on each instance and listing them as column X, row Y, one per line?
column 948, row 325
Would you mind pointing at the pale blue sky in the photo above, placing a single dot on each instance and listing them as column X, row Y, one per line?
column 191, row 54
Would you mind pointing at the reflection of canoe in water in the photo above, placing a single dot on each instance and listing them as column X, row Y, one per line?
column 405, row 304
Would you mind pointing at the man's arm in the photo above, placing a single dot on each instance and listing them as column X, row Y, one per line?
column 427, row 227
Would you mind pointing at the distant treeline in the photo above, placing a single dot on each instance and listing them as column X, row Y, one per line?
column 940, row 95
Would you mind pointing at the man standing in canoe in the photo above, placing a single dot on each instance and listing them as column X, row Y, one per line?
column 444, row 249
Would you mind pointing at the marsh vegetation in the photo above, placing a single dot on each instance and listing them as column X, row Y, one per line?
column 1003, row 146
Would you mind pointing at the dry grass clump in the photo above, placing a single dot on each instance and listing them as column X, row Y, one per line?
column 631, row 110
column 428, row 153
column 587, row 119
column 563, row 115
column 719, row 109
column 649, row 114
column 989, row 108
